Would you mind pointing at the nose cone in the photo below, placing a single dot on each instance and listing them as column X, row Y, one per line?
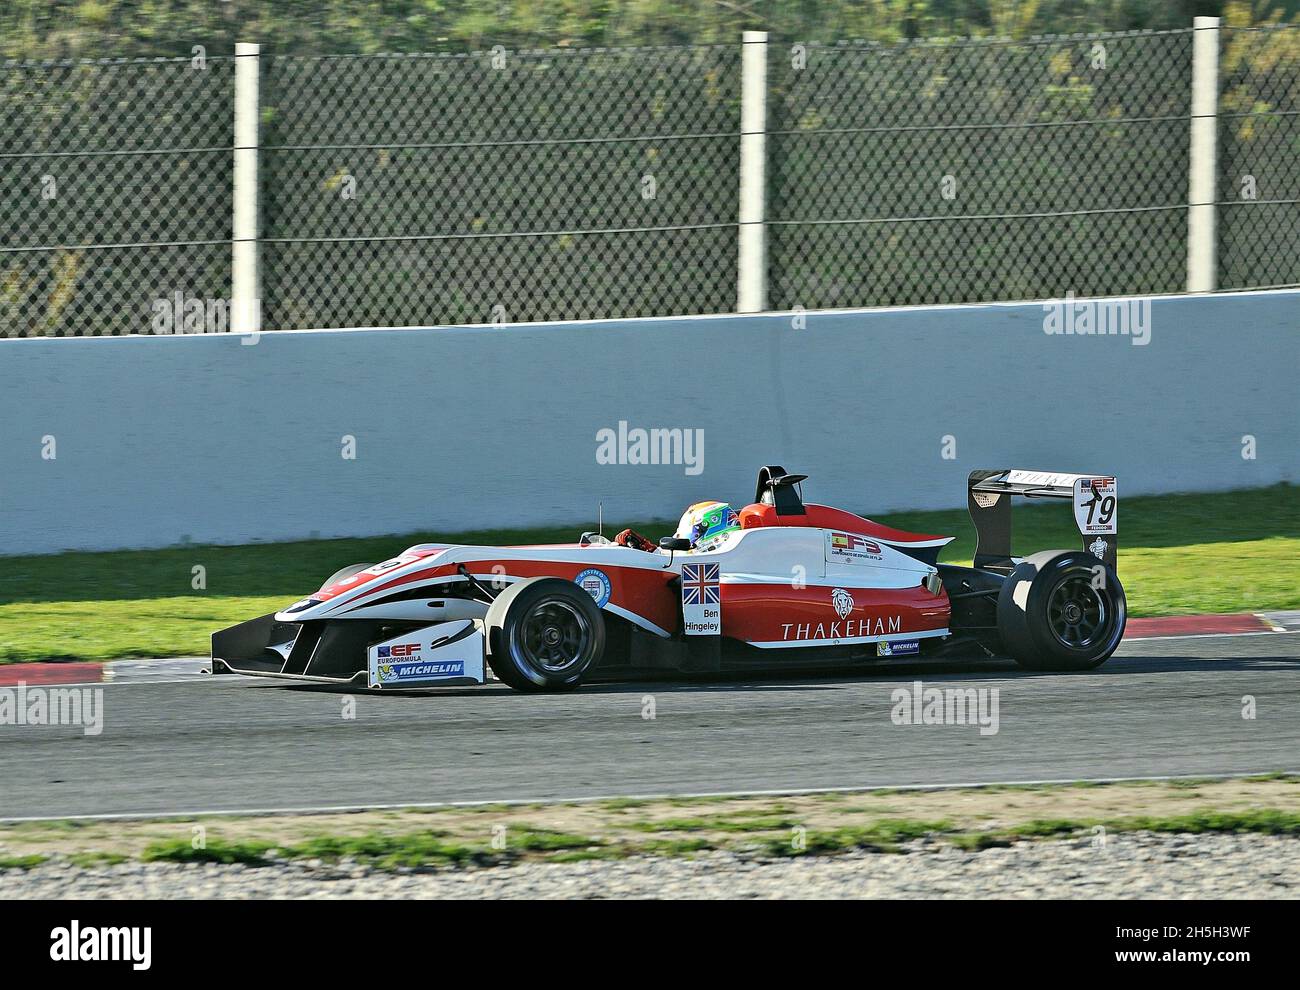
column 410, row 561
column 302, row 611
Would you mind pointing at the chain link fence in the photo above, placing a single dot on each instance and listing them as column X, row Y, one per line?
column 403, row 190
column 1259, row 158
column 972, row 171
column 516, row 187
column 115, row 191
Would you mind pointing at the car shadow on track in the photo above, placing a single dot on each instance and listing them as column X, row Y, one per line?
column 832, row 679
column 1184, row 664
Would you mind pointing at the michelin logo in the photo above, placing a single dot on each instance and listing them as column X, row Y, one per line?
column 391, row 672
column 898, row 648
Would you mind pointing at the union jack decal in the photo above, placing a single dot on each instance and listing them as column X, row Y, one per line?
column 700, row 584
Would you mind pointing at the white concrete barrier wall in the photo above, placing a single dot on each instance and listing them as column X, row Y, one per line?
column 160, row 440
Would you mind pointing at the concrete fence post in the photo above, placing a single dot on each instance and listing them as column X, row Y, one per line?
column 245, row 278
column 1203, row 161
column 751, row 287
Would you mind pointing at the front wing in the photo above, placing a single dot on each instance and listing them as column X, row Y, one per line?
column 346, row 652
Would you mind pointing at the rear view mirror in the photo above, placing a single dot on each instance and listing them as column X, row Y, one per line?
column 674, row 543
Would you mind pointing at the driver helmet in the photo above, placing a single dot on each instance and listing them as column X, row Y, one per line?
column 706, row 524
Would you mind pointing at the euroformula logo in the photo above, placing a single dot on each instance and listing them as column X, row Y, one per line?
column 1098, row 318
column 653, row 445
column 399, row 650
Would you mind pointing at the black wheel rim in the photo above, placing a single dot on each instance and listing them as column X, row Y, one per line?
column 554, row 636
column 1077, row 613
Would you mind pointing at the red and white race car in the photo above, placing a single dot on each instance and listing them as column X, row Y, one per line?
column 798, row 585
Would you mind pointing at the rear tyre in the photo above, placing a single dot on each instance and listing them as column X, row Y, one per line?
column 1062, row 610
column 544, row 634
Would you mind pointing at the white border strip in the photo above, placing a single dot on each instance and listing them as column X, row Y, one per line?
column 1235, row 635
column 664, row 796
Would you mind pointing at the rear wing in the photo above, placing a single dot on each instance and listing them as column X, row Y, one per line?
column 989, row 494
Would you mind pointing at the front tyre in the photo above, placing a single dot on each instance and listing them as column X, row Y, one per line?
column 1062, row 610
column 544, row 634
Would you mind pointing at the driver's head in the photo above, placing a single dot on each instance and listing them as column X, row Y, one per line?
column 706, row 523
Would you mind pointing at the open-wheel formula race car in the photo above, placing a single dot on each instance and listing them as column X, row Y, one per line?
column 792, row 585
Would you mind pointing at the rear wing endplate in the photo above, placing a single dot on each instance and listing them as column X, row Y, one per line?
column 989, row 494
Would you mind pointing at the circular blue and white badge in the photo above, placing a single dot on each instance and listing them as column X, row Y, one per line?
column 595, row 583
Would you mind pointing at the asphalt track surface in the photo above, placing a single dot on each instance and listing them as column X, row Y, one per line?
column 208, row 744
